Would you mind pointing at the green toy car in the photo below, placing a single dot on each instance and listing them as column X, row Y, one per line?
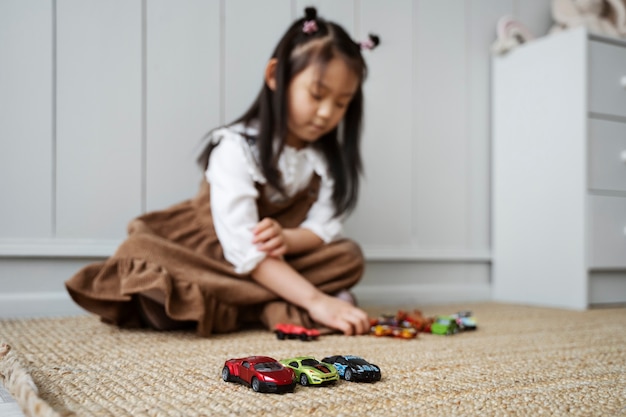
column 310, row 371
column 444, row 325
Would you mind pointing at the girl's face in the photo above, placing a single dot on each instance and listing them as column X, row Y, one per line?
column 317, row 101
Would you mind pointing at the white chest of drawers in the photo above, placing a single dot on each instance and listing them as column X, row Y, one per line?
column 559, row 172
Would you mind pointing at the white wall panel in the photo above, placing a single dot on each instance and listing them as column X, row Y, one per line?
column 440, row 124
column 252, row 30
column 26, row 122
column 481, row 14
column 384, row 214
column 183, row 94
column 99, row 99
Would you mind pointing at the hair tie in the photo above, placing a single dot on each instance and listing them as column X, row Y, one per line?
column 310, row 26
column 371, row 42
column 310, row 23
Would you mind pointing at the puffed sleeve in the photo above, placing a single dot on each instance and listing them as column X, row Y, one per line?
column 320, row 218
column 233, row 201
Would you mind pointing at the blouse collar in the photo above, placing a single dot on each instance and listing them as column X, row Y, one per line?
column 290, row 155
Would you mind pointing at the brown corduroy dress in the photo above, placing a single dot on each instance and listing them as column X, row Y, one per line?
column 176, row 253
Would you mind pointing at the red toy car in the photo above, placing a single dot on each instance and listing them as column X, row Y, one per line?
column 292, row 331
column 261, row 373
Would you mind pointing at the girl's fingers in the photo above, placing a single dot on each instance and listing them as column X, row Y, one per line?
column 358, row 324
column 265, row 235
column 277, row 253
column 265, row 230
column 345, row 327
column 273, row 247
column 262, row 236
column 261, row 227
column 354, row 322
column 360, row 321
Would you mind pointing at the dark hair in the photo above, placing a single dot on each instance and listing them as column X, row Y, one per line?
column 296, row 50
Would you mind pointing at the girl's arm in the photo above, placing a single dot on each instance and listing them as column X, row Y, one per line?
column 271, row 238
column 301, row 240
column 279, row 277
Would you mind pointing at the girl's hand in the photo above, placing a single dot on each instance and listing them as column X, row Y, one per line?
column 339, row 314
column 269, row 238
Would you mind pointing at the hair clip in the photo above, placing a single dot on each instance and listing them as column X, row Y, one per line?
column 310, row 26
column 371, row 42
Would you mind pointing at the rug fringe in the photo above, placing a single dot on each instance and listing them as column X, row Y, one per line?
column 21, row 386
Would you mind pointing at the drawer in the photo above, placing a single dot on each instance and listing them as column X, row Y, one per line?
column 607, row 227
column 607, row 63
column 607, row 155
column 607, row 287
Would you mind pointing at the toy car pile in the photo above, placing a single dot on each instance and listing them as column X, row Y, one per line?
column 266, row 374
column 407, row 325
column 403, row 324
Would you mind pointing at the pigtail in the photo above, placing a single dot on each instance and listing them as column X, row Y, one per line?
column 370, row 43
column 310, row 13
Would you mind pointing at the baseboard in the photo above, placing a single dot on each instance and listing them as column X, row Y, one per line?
column 37, row 304
column 51, row 304
column 421, row 294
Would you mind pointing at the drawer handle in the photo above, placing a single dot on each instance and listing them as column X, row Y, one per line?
column 623, row 81
column 623, row 156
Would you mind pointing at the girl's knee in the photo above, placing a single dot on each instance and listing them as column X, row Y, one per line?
column 351, row 252
column 351, row 248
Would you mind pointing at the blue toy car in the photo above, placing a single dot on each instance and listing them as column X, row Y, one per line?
column 354, row 368
column 465, row 320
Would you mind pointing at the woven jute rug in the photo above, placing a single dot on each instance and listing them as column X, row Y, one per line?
column 524, row 361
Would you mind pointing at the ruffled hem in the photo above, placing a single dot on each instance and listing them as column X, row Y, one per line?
column 110, row 289
column 183, row 300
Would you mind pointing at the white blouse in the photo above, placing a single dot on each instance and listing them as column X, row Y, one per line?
column 233, row 172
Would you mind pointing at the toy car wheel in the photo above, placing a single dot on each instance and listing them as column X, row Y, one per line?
column 226, row 374
column 280, row 335
column 303, row 337
column 304, row 380
column 256, row 385
column 348, row 375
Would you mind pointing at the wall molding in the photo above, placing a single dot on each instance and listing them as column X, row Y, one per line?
column 102, row 248
column 61, row 248
column 410, row 253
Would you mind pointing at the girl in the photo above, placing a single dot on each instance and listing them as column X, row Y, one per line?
column 261, row 240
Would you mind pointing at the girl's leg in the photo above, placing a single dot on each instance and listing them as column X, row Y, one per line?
column 153, row 315
column 151, row 307
column 333, row 268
